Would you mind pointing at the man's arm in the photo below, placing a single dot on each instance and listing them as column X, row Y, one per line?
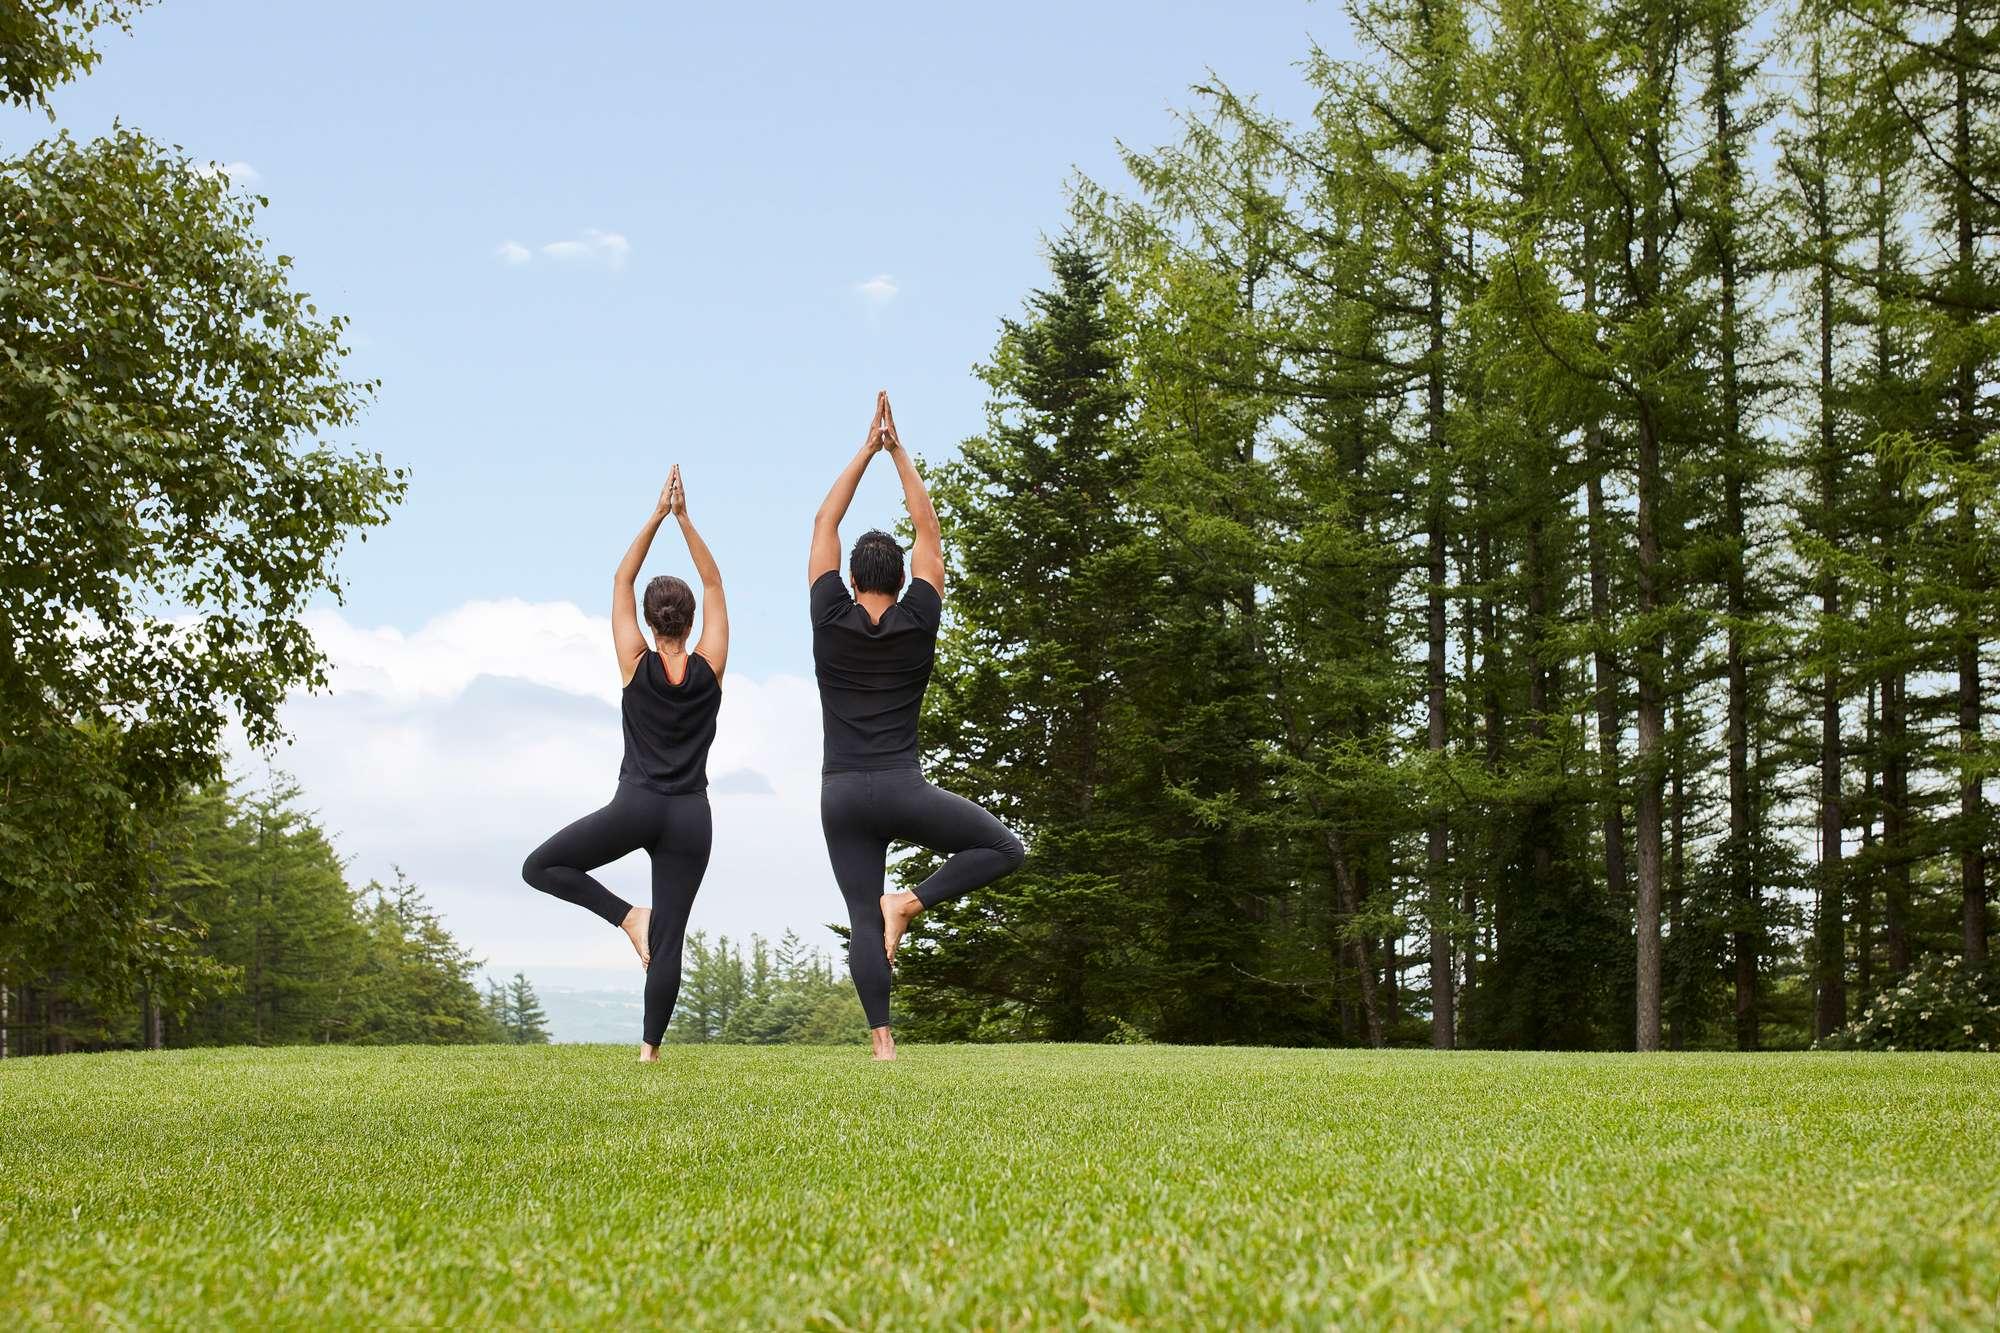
column 625, row 636
column 927, row 556
column 714, row 642
column 825, row 553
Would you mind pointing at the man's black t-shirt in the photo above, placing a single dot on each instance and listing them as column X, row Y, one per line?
column 872, row 676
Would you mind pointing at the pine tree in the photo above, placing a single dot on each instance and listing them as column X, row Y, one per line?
column 498, row 1011
column 1051, row 586
column 527, row 1024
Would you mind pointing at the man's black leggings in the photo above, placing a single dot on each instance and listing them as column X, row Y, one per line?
column 863, row 812
column 675, row 831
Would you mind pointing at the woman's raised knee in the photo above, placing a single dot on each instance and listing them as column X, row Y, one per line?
column 534, row 868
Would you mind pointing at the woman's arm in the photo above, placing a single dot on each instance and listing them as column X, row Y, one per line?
column 825, row 552
column 625, row 636
column 927, row 556
column 714, row 642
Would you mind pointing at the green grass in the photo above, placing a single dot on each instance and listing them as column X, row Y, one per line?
column 998, row 1187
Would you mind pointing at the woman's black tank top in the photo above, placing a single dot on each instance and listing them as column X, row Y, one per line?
column 669, row 727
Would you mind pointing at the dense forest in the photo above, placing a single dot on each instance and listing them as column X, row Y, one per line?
column 1506, row 562
column 285, row 950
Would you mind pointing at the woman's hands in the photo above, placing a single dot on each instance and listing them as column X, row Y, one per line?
column 885, row 418
column 673, row 497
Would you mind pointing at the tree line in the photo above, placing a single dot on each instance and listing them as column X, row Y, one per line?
column 764, row 995
column 1506, row 561
column 285, row 952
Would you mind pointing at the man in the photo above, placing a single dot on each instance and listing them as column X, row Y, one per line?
column 872, row 655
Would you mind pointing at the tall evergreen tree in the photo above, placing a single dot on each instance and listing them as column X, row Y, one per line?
column 1039, row 688
column 527, row 1023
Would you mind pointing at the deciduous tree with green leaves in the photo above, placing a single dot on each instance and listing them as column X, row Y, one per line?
column 173, row 493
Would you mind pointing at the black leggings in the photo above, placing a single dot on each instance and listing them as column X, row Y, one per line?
column 675, row 832
column 862, row 813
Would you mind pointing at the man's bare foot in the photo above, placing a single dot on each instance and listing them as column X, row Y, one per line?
column 634, row 925
column 898, row 911
column 885, row 1043
column 648, row 1055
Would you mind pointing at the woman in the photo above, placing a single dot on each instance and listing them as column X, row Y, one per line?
column 669, row 704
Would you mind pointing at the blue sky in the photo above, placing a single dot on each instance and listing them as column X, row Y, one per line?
column 759, row 161
column 581, row 243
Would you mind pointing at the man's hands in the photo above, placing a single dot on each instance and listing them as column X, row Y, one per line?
column 824, row 554
column 927, row 555
column 882, row 437
column 877, row 434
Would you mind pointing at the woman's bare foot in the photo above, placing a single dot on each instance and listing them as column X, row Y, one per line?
column 634, row 925
column 885, row 1043
column 648, row 1055
column 898, row 911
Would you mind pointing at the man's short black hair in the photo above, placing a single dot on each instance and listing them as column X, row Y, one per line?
column 876, row 563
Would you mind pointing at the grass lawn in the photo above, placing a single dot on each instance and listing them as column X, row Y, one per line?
column 998, row 1187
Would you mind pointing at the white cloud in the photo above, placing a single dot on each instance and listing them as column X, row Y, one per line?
column 239, row 173
column 610, row 244
column 454, row 749
column 878, row 290
column 606, row 249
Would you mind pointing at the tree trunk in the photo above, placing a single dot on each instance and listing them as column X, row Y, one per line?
column 1350, row 905
column 1392, row 988
column 1967, row 51
column 1677, row 868
column 1468, row 995
column 1741, row 883
column 1437, row 850
column 1604, row 668
column 1831, row 1009
column 1652, row 738
column 1864, row 885
column 1895, row 717
column 1538, row 691
column 1895, row 823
